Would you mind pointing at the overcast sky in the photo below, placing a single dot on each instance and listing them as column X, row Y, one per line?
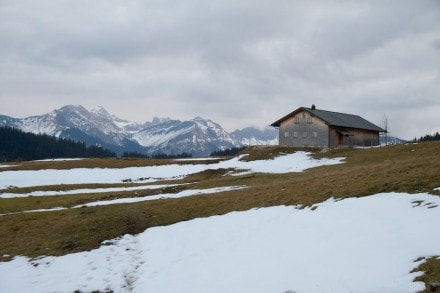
column 237, row 62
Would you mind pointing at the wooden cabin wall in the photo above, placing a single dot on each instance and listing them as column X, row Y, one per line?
column 303, row 130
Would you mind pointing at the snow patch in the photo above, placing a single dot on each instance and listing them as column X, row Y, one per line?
column 350, row 245
column 185, row 193
column 85, row 190
column 59, row 160
column 7, row 166
column 198, row 159
column 296, row 162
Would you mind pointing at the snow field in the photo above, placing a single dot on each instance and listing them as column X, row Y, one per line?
column 296, row 162
column 366, row 244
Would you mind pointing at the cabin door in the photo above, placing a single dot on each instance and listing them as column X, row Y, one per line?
column 340, row 139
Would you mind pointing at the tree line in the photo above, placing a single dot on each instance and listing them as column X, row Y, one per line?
column 428, row 137
column 155, row 156
column 227, row 152
column 16, row 145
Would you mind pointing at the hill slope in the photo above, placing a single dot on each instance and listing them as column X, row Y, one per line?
column 379, row 192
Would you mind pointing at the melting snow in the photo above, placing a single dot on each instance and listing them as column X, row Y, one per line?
column 7, row 166
column 59, row 160
column 184, row 193
column 296, row 162
column 197, row 159
column 82, row 191
column 366, row 244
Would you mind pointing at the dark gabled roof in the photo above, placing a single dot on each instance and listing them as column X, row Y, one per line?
column 334, row 119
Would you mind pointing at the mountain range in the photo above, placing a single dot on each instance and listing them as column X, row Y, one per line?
column 198, row 136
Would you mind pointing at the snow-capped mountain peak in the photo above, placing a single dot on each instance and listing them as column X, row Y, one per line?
column 197, row 136
column 159, row 120
column 101, row 112
column 255, row 136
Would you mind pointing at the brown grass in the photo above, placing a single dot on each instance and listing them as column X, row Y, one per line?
column 98, row 163
column 403, row 168
column 431, row 274
column 254, row 153
column 20, row 204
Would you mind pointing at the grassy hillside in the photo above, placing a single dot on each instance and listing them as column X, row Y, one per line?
column 409, row 168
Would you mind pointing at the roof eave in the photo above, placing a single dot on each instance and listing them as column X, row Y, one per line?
column 291, row 114
column 369, row 129
column 316, row 114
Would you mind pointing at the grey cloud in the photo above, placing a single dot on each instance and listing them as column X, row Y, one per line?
column 240, row 63
column 436, row 44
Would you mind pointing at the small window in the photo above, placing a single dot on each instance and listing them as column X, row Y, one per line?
column 304, row 134
column 295, row 134
column 310, row 120
column 286, row 134
column 296, row 120
column 314, row 134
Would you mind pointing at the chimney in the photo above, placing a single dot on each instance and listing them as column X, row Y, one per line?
column 313, row 107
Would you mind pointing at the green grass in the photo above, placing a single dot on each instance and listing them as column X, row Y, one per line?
column 402, row 168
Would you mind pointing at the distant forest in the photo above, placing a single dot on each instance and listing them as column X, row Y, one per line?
column 428, row 137
column 16, row 145
column 227, row 152
column 155, row 156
